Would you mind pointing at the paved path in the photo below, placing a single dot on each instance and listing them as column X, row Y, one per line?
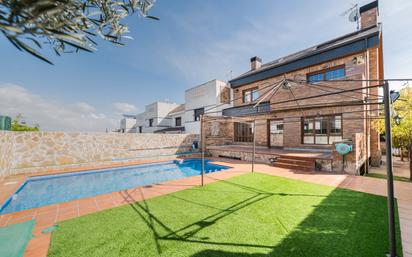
column 400, row 168
column 48, row 215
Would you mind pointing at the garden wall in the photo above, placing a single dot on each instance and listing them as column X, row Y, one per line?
column 27, row 152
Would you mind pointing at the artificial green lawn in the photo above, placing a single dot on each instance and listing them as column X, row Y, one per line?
column 252, row 215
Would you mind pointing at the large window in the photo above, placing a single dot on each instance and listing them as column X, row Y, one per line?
column 322, row 130
column 250, row 95
column 199, row 112
column 178, row 121
column 243, row 132
column 328, row 74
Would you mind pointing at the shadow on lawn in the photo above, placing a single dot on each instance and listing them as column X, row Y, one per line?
column 345, row 223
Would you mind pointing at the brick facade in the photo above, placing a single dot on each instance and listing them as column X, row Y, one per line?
column 354, row 107
column 358, row 66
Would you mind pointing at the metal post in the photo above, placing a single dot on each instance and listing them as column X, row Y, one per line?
column 254, row 145
column 202, row 138
column 391, row 206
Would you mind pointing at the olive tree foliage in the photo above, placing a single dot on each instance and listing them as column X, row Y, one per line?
column 67, row 25
column 402, row 133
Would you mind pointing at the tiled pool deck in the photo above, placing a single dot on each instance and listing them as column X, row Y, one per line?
column 48, row 215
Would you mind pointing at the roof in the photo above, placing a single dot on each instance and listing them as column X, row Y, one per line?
column 342, row 46
column 171, row 129
column 178, row 109
column 129, row 116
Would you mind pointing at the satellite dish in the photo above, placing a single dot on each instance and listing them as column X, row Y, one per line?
column 353, row 16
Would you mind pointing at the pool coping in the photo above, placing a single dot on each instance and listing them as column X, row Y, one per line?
column 37, row 177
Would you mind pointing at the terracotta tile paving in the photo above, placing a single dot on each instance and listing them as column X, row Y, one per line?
column 47, row 216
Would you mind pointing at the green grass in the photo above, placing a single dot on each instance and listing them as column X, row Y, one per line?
column 383, row 176
column 253, row 215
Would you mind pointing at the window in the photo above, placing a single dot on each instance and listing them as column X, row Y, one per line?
column 329, row 74
column 150, row 122
column 243, row 132
column 322, row 130
column 140, row 129
column 315, row 77
column 250, row 95
column 199, row 112
column 178, row 121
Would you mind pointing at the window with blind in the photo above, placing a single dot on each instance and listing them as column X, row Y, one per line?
column 250, row 95
column 243, row 132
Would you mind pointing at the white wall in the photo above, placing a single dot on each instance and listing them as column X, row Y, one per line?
column 127, row 125
column 158, row 111
column 205, row 96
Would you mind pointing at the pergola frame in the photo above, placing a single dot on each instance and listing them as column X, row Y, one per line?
column 387, row 116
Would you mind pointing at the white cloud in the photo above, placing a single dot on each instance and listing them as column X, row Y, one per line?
column 51, row 115
column 125, row 108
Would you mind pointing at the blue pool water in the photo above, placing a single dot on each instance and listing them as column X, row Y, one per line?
column 45, row 190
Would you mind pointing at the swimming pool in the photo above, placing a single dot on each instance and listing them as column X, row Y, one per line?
column 46, row 190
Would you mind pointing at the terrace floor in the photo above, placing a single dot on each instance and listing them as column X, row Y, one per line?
column 49, row 215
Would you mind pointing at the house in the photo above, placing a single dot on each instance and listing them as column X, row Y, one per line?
column 128, row 124
column 155, row 117
column 212, row 97
column 164, row 117
column 292, row 119
column 176, row 124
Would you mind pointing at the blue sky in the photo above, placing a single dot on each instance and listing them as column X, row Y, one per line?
column 193, row 42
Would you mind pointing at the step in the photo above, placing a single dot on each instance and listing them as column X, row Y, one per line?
column 310, row 166
column 295, row 161
column 294, row 167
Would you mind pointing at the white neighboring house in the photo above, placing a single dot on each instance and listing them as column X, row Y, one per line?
column 176, row 116
column 128, row 124
column 155, row 117
column 210, row 98
column 163, row 117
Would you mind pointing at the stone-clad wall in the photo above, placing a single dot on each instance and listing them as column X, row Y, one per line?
column 40, row 151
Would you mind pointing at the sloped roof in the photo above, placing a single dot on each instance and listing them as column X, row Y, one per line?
column 178, row 109
column 329, row 50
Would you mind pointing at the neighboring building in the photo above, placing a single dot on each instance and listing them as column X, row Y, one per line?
column 155, row 117
column 163, row 117
column 176, row 118
column 128, row 124
column 211, row 97
column 323, row 121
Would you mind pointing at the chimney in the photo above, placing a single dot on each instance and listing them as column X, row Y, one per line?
column 369, row 15
column 255, row 63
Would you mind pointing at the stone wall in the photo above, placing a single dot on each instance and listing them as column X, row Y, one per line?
column 355, row 159
column 22, row 152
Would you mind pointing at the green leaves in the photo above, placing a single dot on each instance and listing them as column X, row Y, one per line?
column 402, row 133
column 67, row 25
